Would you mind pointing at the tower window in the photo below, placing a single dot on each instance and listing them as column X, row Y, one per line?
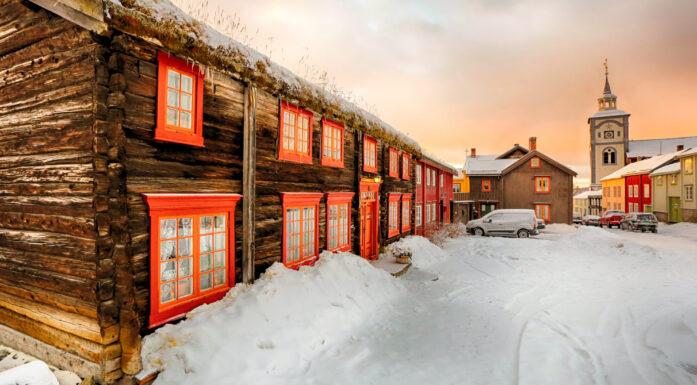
column 609, row 156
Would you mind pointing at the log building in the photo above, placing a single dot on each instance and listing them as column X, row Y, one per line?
column 520, row 178
column 146, row 170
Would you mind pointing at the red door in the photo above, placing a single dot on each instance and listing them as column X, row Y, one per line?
column 367, row 241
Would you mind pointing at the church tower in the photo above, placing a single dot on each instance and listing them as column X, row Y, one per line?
column 609, row 136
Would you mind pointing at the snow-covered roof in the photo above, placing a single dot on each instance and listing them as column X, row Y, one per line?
column 641, row 167
column 672, row 168
column 459, row 174
column 445, row 166
column 163, row 23
column 608, row 113
column 688, row 152
column 487, row 165
column 652, row 147
column 588, row 194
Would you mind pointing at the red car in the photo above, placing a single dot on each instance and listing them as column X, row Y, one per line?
column 611, row 218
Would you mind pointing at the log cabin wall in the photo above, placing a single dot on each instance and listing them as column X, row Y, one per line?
column 152, row 166
column 274, row 176
column 56, row 290
column 394, row 185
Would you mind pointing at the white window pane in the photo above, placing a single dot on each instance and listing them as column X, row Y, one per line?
column 219, row 277
column 185, row 247
column 172, row 79
column 168, row 249
column 186, row 102
column 206, row 224
column 186, row 267
column 220, row 223
column 167, row 228
column 219, row 241
column 185, row 120
column 185, row 287
column 172, row 117
column 168, row 292
column 205, row 262
column 172, row 98
column 186, row 227
column 168, row 271
column 187, row 84
column 206, row 244
column 206, row 282
column 219, row 259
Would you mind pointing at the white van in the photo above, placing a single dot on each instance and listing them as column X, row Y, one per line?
column 519, row 223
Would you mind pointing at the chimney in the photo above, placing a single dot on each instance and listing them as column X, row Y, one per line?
column 474, row 153
column 680, row 147
column 533, row 143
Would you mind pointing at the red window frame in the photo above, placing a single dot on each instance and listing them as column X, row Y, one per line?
column 406, row 158
column 541, row 187
column 533, row 163
column 486, row 185
column 194, row 206
column 393, row 214
column 298, row 114
column 173, row 133
column 301, row 201
column 540, row 211
column 393, row 162
column 406, row 213
column 370, row 153
column 339, row 199
column 332, row 142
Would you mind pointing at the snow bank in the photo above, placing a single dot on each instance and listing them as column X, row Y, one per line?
column 559, row 228
column 32, row 373
column 681, row 230
column 424, row 253
column 273, row 328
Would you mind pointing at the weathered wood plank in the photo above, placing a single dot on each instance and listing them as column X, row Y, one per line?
column 58, row 300
column 248, row 184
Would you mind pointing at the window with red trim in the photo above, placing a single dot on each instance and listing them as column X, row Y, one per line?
column 394, row 163
column 418, row 215
column 441, row 180
column 300, row 228
column 339, row 221
column 486, row 185
column 542, row 184
column 406, row 212
column 434, row 213
column 295, row 143
column 179, row 101
column 418, row 174
column 542, row 211
column 332, row 143
column 428, row 213
column 405, row 166
column 370, row 154
column 393, row 215
column 535, row 162
column 191, row 251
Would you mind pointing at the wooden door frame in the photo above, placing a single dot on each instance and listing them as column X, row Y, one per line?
column 370, row 186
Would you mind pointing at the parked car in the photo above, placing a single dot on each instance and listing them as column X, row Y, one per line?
column 591, row 220
column 540, row 224
column 611, row 218
column 639, row 221
column 512, row 222
column 577, row 220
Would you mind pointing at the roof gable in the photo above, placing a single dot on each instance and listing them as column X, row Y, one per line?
column 515, row 150
column 536, row 153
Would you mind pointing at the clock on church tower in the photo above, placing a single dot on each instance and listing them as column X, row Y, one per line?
column 609, row 136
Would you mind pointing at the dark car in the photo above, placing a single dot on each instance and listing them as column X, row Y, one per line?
column 611, row 218
column 577, row 218
column 591, row 220
column 639, row 221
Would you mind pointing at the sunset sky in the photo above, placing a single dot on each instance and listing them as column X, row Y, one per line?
column 488, row 74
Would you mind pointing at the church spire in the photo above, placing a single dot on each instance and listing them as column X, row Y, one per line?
column 608, row 101
column 607, row 82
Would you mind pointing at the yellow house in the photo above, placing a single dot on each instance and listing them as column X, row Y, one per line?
column 461, row 183
column 613, row 192
column 665, row 197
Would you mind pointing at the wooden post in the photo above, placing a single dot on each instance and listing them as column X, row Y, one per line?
column 249, row 183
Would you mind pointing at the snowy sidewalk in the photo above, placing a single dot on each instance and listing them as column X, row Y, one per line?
column 586, row 306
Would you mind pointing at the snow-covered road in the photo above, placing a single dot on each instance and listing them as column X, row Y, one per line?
column 586, row 306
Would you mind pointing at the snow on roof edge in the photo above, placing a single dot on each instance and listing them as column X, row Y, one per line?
column 170, row 19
